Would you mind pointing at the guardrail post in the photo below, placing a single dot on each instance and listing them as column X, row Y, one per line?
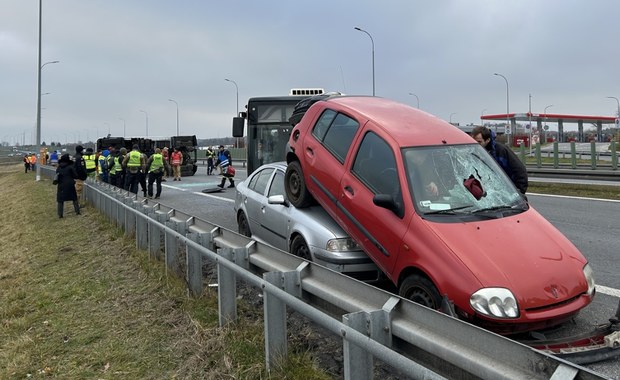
column 141, row 227
column 614, row 156
column 593, row 155
column 522, row 153
column 538, row 156
column 275, row 321
column 194, row 264
column 358, row 363
column 556, row 154
column 573, row 154
column 227, row 289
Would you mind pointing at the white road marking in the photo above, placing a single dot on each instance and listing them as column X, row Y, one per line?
column 608, row 291
column 572, row 197
column 214, row 197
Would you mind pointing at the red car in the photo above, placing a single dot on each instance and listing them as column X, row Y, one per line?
column 436, row 213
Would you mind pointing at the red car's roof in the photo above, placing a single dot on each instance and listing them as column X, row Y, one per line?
column 407, row 125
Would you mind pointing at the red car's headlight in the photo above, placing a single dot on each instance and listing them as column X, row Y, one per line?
column 495, row 303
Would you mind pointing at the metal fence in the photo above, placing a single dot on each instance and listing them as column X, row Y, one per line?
column 372, row 323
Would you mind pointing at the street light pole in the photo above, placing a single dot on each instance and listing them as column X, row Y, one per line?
column 175, row 102
column 508, row 126
column 40, row 67
column 618, row 102
column 481, row 116
column 545, row 121
column 147, row 122
column 373, row 58
column 124, row 125
column 237, row 88
column 453, row 113
column 416, row 98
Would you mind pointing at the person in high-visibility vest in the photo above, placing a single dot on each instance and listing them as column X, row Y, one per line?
column 177, row 159
column 134, row 163
column 156, row 172
column 117, row 172
column 102, row 166
column 90, row 159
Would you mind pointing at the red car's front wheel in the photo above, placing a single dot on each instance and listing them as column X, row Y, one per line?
column 295, row 186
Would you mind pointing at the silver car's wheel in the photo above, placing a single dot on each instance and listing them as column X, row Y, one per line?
column 295, row 186
column 243, row 225
column 300, row 248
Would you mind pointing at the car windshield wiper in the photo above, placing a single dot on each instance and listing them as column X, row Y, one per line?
column 500, row 208
column 450, row 211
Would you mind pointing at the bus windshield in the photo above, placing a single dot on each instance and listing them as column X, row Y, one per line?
column 268, row 129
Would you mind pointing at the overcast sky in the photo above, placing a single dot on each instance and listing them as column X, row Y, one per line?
column 118, row 57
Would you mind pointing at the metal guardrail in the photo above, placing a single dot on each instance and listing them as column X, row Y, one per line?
column 372, row 323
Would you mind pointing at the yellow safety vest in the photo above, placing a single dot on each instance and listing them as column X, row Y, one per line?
column 134, row 159
column 157, row 164
column 89, row 159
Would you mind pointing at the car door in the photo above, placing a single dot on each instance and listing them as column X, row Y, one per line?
column 325, row 153
column 254, row 199
column 275, row 217
column 374, row 170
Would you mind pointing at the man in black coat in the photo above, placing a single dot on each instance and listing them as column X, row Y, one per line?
column 505, row 157
column 65, row 180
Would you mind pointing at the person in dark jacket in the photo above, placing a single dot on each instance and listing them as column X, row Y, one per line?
column 505, row 157
column 66, row 185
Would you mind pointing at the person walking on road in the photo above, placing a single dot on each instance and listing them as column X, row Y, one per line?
column 65, row 182
column 224, row 161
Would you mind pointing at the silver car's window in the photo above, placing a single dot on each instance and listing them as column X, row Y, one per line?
column 438, row 176
column 260, row 180
column 277, row 185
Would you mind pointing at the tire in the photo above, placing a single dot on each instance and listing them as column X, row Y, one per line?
column 243, row 225
column 295, row 186
column 300, row 248
column 421, row 290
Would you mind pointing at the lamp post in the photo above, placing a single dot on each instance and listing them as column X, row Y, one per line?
column 453, row 113
column 124, row 125
column 416, row 98
column 237, row 88
column 147, row 122
column 177, row 104
column 618, row 102
column 481, row 116
column 545, row 121
column 373, row 58
column 508, row 127
column 40, row 67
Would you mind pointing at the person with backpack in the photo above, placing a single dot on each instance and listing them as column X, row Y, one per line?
column 102, row 166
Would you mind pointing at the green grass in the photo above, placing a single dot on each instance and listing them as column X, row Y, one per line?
column 79, row 301
column 577, row 190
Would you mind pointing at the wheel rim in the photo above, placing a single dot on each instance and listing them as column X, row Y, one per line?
column 303, row 252
column 422, row 297
column 294, row 185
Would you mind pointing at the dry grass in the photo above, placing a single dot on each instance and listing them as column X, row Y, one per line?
column 78, row 301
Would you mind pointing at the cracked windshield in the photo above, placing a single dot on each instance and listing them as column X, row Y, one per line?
column 458, row 179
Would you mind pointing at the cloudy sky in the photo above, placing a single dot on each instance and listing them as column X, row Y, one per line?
column 118, row 57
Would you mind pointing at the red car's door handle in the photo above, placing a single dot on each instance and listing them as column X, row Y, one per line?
column 349, row 189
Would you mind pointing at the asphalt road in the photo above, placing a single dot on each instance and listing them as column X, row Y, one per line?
column 590, row 224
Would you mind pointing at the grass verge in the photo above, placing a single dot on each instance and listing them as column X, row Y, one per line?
column 79, row 301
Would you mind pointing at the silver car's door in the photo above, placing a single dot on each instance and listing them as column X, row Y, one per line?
column 254, row 198
column 275, row 217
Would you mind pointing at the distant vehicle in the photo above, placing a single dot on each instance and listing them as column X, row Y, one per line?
column 264, row 214
column 188, row 146
column 436, row 213
column 268, row 126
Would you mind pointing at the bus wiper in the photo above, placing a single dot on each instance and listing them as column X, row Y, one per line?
column 450, row 211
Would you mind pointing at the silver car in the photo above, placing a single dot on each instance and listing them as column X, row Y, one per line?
column 264, row 214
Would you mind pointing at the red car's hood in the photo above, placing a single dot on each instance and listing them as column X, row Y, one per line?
column 523, row 253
